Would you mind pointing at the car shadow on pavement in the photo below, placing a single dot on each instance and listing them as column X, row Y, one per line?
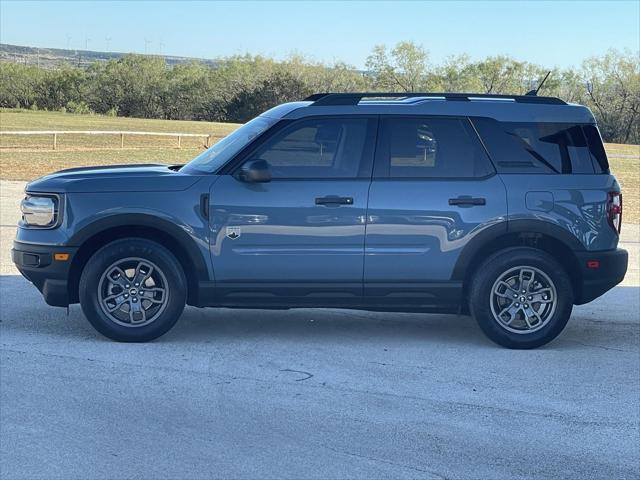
column 598, row 325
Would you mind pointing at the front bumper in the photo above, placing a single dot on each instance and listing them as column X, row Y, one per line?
column 38, row 265
column 596, row 280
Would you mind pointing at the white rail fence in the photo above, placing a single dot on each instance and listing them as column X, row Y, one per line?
column 55, row 133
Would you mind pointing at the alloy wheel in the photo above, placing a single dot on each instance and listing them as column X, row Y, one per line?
column 133, row 292
column 523, row 299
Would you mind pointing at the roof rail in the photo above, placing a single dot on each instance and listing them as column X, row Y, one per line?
column 326, row 99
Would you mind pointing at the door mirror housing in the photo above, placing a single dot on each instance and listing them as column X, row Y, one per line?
column 255, row 171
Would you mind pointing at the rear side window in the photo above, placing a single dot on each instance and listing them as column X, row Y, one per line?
column 559, row 148
column 430, row 147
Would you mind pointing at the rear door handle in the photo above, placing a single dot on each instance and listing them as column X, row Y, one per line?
column 467, row 201
column 334, row 200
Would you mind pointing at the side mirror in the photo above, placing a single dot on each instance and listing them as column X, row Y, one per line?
column 255, row 171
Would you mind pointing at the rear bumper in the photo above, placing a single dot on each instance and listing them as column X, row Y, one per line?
column 38, row 265
column 610, row 271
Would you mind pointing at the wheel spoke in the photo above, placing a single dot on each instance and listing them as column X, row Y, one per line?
column 539, row 296
column 542, row 300
column 119, row 301
column 537, row 315
column 136, row 308
column 531, row 282
column 522, row 280
column 526, row 318
column 150, row 293
column 542, row 291
column 504, row 284
column 504, row 295
column 120, row 279
column 111, row 297
column 143, row 271
column 511, row 310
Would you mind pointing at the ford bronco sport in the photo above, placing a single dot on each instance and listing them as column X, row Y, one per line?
column 502, row 207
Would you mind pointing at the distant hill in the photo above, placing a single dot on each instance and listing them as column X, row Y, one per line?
column 54, row 57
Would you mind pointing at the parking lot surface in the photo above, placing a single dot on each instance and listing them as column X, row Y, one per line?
column 315, row 393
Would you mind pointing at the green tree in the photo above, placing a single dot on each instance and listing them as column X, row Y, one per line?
column 279, row 87
column 230, row 77
column 61, row 87
column 20, row 84
column 403, row 69
column 134, row 84
column 504, row 75
column 613, row 88
column 456, row 74
column 187, row 87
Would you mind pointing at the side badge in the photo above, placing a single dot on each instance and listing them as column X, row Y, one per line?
column 233, row 232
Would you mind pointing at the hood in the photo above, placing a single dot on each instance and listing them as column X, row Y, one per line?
column 116, row 178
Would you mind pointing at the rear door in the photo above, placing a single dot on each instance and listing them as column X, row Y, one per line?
column 299, row 237
column 434, row 189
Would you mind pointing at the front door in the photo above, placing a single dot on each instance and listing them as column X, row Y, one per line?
column 300, row 237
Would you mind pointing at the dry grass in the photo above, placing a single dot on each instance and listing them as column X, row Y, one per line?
column 26, row 158
column 29, row 157
column 17, row 119
column 614, row 149
column 11, row 119
column 627, row 171
column 16, row 165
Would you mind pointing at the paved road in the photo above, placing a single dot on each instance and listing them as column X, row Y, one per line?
column 315, row 394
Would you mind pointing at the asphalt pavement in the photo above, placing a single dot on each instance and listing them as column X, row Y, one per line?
column 314, row 393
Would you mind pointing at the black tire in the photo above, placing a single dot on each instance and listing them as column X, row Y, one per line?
column 505, row 264
column 163, row 311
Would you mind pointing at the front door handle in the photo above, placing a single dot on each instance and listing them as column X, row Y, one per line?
column 467, row 201
column 334, row 200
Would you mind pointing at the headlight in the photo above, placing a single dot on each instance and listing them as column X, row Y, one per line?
column 40, row 210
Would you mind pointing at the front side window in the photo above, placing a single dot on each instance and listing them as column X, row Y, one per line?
column 430, row 147
column 319, row 148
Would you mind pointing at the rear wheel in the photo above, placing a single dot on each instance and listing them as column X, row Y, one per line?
column 132, row 290
column 521, row 297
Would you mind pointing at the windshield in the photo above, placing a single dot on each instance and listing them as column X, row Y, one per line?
column 216, row 156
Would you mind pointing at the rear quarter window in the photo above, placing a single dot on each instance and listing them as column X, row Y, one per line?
column 542, row 147
column 596, row 148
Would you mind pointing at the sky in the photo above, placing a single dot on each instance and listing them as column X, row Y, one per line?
column 552, row 34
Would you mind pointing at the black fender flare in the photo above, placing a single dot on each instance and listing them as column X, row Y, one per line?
column 491, row 234
column 186, row 242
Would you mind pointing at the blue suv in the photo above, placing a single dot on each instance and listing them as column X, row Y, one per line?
column 501, row 207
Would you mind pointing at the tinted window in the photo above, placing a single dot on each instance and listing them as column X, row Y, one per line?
column 540, row 147
column 596, row 149
column 557, row 146
column 430, row 148
column 319, row 148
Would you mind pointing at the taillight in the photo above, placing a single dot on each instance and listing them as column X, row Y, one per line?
column 614, row 210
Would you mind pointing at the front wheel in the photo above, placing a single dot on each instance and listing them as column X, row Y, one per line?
column 521, row 297
column 132, row 290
